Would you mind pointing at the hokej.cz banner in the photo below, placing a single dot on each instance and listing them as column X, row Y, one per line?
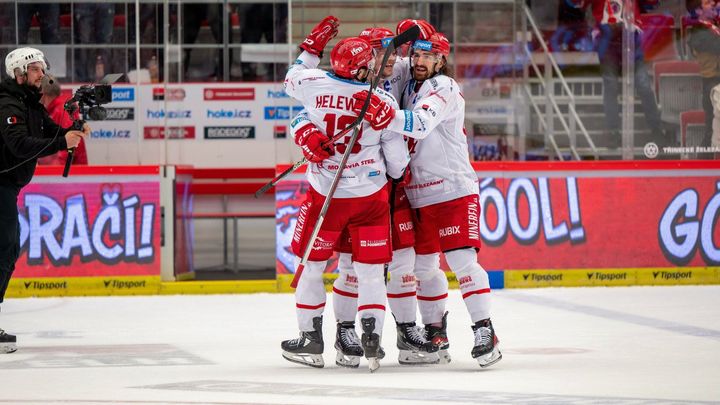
column 575, row 220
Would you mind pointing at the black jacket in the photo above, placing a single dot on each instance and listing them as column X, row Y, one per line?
column 26, row 130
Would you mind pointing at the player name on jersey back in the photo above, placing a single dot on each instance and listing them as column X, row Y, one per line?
column 333, row 101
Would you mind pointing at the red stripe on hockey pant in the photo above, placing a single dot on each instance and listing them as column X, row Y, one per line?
column 436, row 298
column 371, row 306
column 402, row 295
column 344, row 293
column 303, row 306
column 482, row 291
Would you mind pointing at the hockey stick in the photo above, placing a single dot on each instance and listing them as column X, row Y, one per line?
column 411, row 34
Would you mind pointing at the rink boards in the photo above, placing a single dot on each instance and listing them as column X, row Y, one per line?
column 101, row 231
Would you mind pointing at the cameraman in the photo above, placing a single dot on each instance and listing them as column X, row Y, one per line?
column 26, row 133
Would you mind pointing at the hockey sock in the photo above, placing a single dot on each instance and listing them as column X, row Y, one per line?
column 309, row 295
column 473, row 280
column 401, row 287
column 371, row 293
column 432, row 288
column 345, row 290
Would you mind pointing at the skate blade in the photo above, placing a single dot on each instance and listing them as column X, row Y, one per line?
column 373, row 364
column 343, row 360
column 409, row 358
column 490, row 358
column 444, row 356
column 7, row 348
column 312, row 360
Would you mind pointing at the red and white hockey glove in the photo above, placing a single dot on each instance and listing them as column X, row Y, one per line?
column 312, row 142
column 326, row 30
column 379, row 113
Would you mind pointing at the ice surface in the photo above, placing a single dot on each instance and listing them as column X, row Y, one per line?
column 634, row 345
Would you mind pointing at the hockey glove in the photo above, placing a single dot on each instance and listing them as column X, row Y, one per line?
column 312, row 142
column 326, row 30
column 379, row 113
column 404, row 180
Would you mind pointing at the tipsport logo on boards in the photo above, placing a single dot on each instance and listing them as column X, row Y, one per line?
column 281, row 112
column 120, row 94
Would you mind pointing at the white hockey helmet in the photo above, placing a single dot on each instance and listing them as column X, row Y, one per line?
column 21, row 58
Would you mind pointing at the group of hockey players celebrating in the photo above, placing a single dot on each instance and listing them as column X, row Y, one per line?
column 406, row 193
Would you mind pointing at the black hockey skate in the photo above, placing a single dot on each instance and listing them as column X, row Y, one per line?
column 438, row 336
column 308, row 348
column 347, row 344
column 413, row 347
column 371, row 343
column 8, row 343
column 486, row 349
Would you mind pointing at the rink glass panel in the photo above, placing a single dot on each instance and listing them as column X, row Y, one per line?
column 231, row 41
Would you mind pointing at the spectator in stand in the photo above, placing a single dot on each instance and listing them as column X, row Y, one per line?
column 260, row 20
column 193, row 16
column 151, row 32
column 93, row 26
column 704, row 41
column 48, row 15
column 54, row 102
column 608, row 15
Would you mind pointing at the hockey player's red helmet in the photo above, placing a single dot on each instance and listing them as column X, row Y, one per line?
column 437, row 43
column 350, row 55
column 376, row 35
column 426, row 29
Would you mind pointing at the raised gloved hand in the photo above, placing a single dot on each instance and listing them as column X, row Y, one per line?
column 312, row 141
column 326, row 30
column 379, row 113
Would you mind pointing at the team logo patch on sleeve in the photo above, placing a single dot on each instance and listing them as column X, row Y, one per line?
column 12, row 120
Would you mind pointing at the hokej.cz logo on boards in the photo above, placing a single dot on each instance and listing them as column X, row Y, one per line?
column 243, row 132
column 228, row 94
column 160, row 114
column 123, row 94
column 110, row 133
column 225, row 114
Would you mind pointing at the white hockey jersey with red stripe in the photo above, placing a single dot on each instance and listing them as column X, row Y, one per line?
column 433, row 116
column 328, row 101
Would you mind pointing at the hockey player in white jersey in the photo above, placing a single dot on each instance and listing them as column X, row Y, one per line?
column 360, row 201
column 413, row 347
column 443, row 191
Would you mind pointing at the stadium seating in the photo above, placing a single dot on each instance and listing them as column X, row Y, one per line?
column 677, row 86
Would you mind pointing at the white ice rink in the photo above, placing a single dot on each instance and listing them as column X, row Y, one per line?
column 636, row 345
